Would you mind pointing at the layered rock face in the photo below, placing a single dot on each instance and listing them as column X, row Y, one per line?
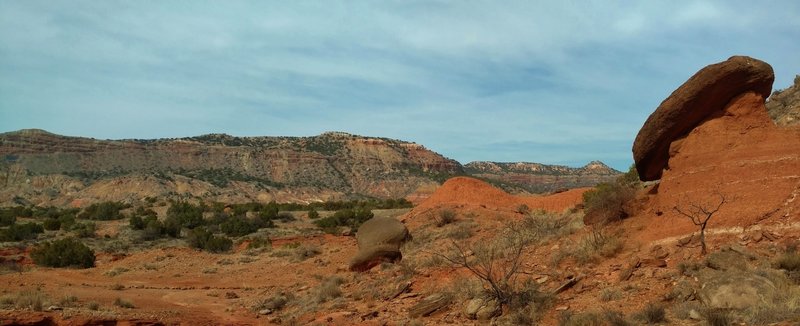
column 218, row 166
column 541, row 178
column 735, row 151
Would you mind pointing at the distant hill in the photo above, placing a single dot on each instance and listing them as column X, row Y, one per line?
column 784, row 105
column 38, row 167
column 538, row 178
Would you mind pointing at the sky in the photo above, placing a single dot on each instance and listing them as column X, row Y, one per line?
column 555, row 82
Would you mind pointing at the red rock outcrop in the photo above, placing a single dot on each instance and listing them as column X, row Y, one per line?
column 736, row 152
column 703, row 95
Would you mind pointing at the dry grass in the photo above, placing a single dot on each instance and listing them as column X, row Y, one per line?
column 116, row 271
column 119, row 302
column 329, row 289
column 30, row 299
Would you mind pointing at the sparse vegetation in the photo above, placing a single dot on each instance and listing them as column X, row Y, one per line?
column 329, row 289
column 68, row 252
column 607, row 201
column 203, row 239
column 652, row 314
column 104, row 211
column 445, row 217
column 119, row 302
column 19, row 232
column 352, row 218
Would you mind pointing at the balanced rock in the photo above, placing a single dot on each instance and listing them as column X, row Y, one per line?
column 702, row 96
column 379, row 240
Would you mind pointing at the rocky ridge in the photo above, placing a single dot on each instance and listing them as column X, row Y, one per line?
column 540, row 178
column 42, row 167
column 38, row 167
column 784, row 105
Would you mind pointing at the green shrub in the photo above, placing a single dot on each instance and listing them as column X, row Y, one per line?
column 237, row 227
column 19, row 232
column 84, row 230
column 606, row 202
column 313, row 214
column 653, row 314
column 63, row 253
column 185, row 215
column 51, row 224
column 123, row 303
column 201, row 238
column 352, row 218
column 104, row 211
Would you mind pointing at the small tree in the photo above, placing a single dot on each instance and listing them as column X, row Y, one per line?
column 700, row 214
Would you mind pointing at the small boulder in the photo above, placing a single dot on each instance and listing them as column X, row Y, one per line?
column 379, row 240
column 482, row 309
column 736, row 290
column 703, row 95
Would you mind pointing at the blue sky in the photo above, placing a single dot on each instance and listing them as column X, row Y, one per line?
column 559, row 82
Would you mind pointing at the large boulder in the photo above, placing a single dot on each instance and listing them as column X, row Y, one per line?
column 379, row 240
column 703, row 95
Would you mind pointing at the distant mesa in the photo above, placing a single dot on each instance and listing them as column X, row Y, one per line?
column 703, row 96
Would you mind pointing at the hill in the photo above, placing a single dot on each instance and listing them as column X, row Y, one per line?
column 541, row 178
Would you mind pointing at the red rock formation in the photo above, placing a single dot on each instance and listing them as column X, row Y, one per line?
column 704, row 94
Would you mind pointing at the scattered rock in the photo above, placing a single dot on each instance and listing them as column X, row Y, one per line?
column 265, row 312
column 54, row 308
column 562, row 308
column 428, row 305
column 705, row 93
column 482, row 309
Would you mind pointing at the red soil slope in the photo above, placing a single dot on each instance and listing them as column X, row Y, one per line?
column 469, row 194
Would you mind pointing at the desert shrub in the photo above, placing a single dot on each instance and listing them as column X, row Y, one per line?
column 51, row 224
column 63, row 253
column 93, row 305
column 615, row 318
column 185, row 214
column 68, row 301
column 789, row 261
column 84, row 230
column 606, row 202
column 597, row 244
column 19, row 232
column 238, row 226
column 119, row 302
column 8, row 215
column 610, row 294
column 274, row 303
column 653, row 314
column 136, row 222
column 445, row 217
column 201, row 238
column 567, row 318
column 30, row 299
column 285, row 217
column 495, row 262
column 66, row 221
column 304, row 252
column 104, row 211
column 259, row 242
column 523, row 209
column 329, row 289
column 313, row 214
column 717, row 317
column 352, row 218
column 543, row 225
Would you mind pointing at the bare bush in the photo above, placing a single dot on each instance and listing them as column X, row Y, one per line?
column 700, row 214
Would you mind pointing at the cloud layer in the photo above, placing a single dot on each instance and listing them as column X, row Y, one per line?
column 565, row 82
